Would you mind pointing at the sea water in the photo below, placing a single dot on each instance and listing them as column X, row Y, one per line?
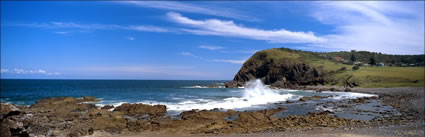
column 177, row 95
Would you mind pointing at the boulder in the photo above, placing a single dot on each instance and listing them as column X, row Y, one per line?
column 234, row 84
column 347, row 90
column 7, row 110
column 305, row 98
column 107, row 107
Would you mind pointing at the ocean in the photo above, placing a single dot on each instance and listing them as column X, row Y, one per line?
column 177, row 95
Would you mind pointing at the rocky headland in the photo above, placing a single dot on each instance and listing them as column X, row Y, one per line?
column 296, row 69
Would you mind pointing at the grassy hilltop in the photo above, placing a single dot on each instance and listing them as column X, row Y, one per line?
column 334, row 68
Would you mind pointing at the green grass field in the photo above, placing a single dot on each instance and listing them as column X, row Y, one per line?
column 388, row 76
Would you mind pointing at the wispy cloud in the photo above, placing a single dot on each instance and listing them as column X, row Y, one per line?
column 142, row 71
column 380, row 26
column 209, row 47
column 248, row 51
column 192, row 8
column 230, row 29
column 87, row 27
column 230, row 61
column 23, row 71
column 184, row 53
column 4, row 70
column 131, row 38
column 63, row 32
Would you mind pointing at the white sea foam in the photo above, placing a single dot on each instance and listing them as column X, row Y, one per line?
column 200, row 86
column 196, row 86
column 104, row 103
column 348, row 95
column 255, row 93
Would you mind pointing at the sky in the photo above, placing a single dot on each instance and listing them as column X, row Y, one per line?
column 191, row 40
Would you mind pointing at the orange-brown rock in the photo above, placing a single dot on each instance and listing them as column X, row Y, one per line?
column 135, row 109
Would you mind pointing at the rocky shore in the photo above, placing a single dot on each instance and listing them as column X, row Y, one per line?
column 67, row 116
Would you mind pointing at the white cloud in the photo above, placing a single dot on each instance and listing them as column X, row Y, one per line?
column 22, row 71
column 146, row 28
column 62, row 32
column 188, row 54
column 380, row 26
column 4, row 71
column 210, row 47
column 248, row 51
column 192, row 8
column 131, row 38
column 230, row 61
column 230, row 29
column 145, row 70
column 86, row 27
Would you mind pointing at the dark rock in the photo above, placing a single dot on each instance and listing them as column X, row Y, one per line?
column 286, row 71
column 234, row 84
column 107, row 107
column 305, row 98
column 88, row 98
column 7, row 110
column 347, row 90
column 318, row 97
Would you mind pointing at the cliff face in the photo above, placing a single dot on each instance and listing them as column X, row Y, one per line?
column 278, row 68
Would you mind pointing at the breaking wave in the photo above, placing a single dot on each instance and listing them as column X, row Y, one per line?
column 255, row 93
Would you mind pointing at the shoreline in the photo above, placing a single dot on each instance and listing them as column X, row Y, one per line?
column 101, row 122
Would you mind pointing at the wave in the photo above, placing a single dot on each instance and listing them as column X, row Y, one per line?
column 348, row 95
column 200, row 86
column 254, row 94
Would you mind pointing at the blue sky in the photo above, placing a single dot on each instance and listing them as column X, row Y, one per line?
column 190, row 40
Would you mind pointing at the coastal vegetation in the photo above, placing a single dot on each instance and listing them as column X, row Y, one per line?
column 283, row 67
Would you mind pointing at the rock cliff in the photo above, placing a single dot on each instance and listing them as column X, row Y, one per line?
column 278, row 68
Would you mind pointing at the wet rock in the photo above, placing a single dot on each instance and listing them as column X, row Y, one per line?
column 108, row 107
column 320, row 90
column 185, row 115
column 347, row 90
column 88, row 98
column 318, row 97
column 234, row 84
column 305, row 98
column 134, row 109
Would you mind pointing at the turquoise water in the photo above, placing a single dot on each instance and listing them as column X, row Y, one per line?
column 177, row 95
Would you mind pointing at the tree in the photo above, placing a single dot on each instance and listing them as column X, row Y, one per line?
column 353, row 58
column 372, row 60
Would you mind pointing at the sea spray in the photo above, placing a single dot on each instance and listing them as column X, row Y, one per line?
column 255, row 94
column 256, row 88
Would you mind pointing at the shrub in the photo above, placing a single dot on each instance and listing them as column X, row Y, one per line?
column 356, row 67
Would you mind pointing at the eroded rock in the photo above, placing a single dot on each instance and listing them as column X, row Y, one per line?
column 134, row 109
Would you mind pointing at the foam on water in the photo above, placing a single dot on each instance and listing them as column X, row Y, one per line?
column 254, row 94
column 349, row 95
